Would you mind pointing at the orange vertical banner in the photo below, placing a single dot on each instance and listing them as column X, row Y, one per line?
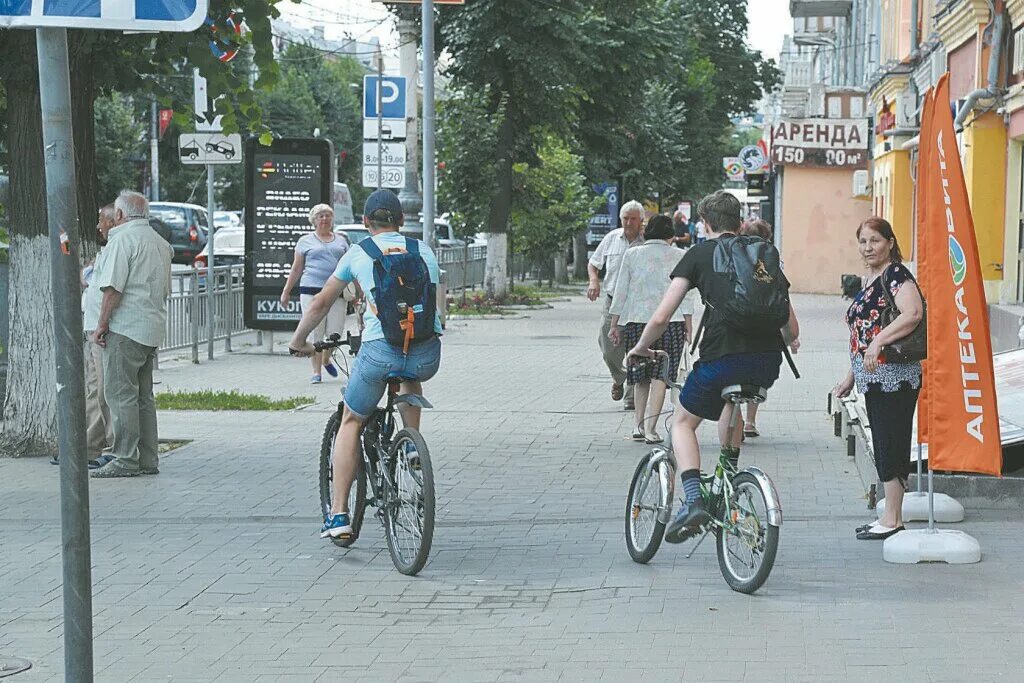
column 963, row 418
column 921, row 220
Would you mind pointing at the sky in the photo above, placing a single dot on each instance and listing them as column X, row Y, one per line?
column 769, row 21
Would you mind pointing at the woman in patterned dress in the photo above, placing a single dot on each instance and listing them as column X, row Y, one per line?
column 641, row 284
column 890, row 389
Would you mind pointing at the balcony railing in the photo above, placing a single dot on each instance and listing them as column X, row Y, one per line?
column 798, row 75
column 820, row 8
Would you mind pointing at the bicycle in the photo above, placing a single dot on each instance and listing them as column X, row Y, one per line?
column 743, row 506
column 396, row 465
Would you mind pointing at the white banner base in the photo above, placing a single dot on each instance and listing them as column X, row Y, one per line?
column 915, row 508
column 931, row 545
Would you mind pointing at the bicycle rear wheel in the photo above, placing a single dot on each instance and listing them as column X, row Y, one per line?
column 644, row 504
column 357, row 494
column 409, row 509
column 747, row 544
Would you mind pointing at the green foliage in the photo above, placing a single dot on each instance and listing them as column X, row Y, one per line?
column 551, row 200
column 466, row 134
column 226, row 400
column 119, row 146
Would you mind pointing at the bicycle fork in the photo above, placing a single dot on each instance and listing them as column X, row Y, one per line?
column 664, row 478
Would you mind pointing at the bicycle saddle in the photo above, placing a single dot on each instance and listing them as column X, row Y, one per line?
column 400, row 377
column 746, row 393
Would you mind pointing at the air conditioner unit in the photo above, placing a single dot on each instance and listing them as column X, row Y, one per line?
column 861, row 184
column 906, row 109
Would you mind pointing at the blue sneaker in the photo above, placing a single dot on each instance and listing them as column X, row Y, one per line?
column 331, row 370
column 687, row 523
column 337, row 526
column 315, row 379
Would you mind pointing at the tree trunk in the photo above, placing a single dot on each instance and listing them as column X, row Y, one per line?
column 83, row 120
column 496, row 278
column 30, row 406
column 496, row 268
column 579, row 255
column 561, row 268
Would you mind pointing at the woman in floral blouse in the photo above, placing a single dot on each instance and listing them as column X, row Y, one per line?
column 890, row 389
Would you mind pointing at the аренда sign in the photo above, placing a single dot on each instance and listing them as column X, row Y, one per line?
column 821, row 143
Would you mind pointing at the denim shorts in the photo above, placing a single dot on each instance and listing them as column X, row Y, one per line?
column 376, row 360
column 702, row 393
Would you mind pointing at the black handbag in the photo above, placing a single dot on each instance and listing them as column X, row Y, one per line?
column 913, row 347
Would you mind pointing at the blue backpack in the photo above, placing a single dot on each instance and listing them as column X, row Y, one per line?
column 406, row 299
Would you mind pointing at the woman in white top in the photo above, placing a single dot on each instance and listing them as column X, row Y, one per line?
column 316, row 257
column 643, row 278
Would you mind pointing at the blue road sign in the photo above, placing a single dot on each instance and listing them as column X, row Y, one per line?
column 392, row 97
column 124, row 15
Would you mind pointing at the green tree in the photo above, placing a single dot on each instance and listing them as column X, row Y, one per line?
column 551, row 202
column 466, row 134
column 98, row 61
column 525, row 56
column 119, row 140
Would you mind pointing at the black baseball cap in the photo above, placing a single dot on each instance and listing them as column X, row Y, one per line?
column 383, row 206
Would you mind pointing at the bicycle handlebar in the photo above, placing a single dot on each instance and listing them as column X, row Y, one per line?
column 334, row 341
column 661, row 357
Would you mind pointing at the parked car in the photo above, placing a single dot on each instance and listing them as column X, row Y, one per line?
column 353, row 232
column 188, row 225
column 229, row 243
column 227, row 219
column 444, row 234
column 341, row 200
column 161, row 228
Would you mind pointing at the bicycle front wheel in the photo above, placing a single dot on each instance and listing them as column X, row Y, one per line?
column 356, row 495
column 747, row 544
column 409, row 510
column 644, row 504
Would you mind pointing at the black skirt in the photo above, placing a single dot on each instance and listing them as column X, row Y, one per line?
column 673, row 342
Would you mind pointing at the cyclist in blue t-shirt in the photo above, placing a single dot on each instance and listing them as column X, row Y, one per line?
column 382, row 216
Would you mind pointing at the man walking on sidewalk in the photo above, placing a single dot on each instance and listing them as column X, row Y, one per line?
column 134, row 274
column 609, row 256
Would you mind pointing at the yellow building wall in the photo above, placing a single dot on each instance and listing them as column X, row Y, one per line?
column 819, row 225
column 984, row 158
column 892, row 171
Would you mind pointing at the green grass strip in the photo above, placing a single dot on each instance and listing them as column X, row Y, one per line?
column 226, row 400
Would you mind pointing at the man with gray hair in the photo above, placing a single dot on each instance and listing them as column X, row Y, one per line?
column 608, row 255
column 134, row 275
column 99, row 432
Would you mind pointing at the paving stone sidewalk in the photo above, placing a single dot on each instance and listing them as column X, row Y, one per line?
column 214, row 570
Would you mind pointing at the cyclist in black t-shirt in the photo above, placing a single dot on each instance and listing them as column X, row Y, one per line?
column 726, row 358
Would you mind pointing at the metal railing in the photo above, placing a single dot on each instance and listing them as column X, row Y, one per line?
column 186, row 308
column 463, row 266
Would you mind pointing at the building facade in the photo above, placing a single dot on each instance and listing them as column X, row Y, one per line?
column 890, row 52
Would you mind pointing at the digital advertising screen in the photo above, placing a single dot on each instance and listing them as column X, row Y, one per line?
column 283, row 182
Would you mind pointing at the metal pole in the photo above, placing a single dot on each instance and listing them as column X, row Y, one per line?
column 154, row 153
column 931, row 502
column 428, row 122
column 229, row 308
column 62, row 214
column 194, row 311
column 211, row 278
column 380, row 117
column 920, row 484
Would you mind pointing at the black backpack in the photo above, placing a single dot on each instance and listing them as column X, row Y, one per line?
column 758, row 301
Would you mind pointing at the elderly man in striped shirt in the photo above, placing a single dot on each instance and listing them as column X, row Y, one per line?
column 133, row 272
column 608, row 255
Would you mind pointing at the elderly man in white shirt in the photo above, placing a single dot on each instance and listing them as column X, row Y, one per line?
column 134, row 274
column 609, row 256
